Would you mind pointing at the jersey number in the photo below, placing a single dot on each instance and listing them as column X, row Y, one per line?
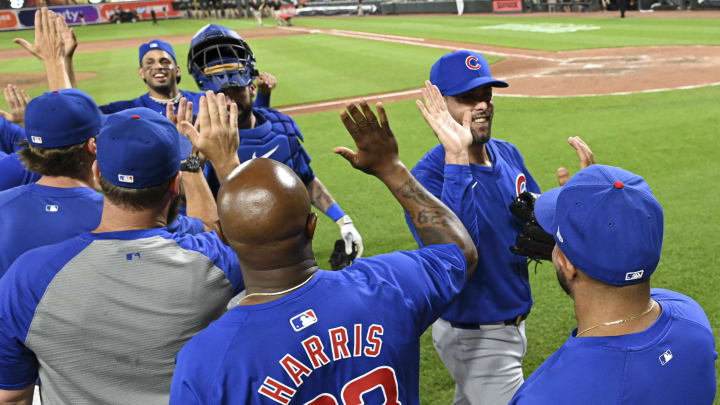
column 352, row 392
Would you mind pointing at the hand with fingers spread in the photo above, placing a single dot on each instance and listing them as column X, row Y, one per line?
column 68, row 36
column 17, row 100
column 585, row 156
column 455, row 138
column 377, row 150
column 217, row 138
column 49, row 47
column 266, row 83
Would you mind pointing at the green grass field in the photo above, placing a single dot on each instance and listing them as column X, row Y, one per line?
column 667, row 137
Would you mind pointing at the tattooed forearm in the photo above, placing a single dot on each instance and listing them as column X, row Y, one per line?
column 433, row 221
column 412, row 189
column 319, row 195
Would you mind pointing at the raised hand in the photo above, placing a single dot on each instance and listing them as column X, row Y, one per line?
column 185, row 113
column 68, row 37
column 48, row 45
column 377, row 150
column 17, row 99
column 266, row 83
column 217, row 138
column 585, row 156
column 454, row 137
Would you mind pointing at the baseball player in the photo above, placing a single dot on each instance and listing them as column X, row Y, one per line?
column 60, row 201
column 633, row 344
column 99, row 318
column 221, row 61
column 309, row 336
column 481, row 336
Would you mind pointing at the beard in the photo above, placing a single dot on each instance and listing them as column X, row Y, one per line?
column 174, row 209
column 164, row 89
column 480, row 137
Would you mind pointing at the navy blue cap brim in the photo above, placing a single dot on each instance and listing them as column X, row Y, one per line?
column 545, row 209
column 477, row 82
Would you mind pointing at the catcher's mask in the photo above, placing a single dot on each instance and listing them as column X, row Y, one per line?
column 219, row 58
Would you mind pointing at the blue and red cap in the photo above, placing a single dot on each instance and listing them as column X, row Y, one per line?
column 139, row 148
column 460, row 71
column 607, row 222
column 156, row 44
column 61, row 118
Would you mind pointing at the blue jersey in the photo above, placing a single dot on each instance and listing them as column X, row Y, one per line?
column 672, row 362
column 343, row 337
column 275, row 136
column 34, row 215
column 13, row 173
column 100, row 317
column 10, row 136
column 146, row 101
column 499, row 288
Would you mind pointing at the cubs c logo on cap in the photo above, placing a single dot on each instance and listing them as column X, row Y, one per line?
column 472, row 62
column 520, row 184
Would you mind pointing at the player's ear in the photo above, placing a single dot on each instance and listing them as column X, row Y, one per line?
column 175, row 184
column 310, row 225
column 91, row 146
column 140, row 72
column 177, row 70
column 563, row 264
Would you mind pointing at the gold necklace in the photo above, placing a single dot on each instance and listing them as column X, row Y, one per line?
column 277, row 293
column 619, row 321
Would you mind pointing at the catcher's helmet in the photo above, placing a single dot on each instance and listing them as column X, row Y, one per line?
column 219, row 58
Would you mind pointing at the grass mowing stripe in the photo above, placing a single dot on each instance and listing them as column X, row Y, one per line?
column 308, row 68
column 612, row 32
column 663, row 137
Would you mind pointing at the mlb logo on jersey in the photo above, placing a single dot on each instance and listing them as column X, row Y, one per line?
column 303, row 320
column 51, row 208
column 126, row 178
column 665, row 357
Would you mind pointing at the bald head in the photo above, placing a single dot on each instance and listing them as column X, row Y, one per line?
column 263, row 202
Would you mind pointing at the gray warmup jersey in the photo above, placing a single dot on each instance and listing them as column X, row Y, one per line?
column 102, row 316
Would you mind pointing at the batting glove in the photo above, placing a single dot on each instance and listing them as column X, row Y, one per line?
column 350, row 235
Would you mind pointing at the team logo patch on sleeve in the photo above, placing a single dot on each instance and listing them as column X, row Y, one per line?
column 303, row 320
column 126, row 178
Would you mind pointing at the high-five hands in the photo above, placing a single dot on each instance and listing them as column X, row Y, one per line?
column 377, row 150
column 454, row 137
column 585, row 155
column 17, row 99
column 217, row 137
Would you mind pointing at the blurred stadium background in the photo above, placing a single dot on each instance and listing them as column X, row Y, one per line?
column 670, row 137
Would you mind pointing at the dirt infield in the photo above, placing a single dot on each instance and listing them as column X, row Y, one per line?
column 530, row 73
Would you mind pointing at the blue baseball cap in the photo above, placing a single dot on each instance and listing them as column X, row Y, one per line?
column 139, row 148
column 156, row 44
column 607, row 222
column 61, row 118
column 460, row 71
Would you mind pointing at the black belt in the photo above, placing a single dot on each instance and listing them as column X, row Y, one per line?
column 514, row 322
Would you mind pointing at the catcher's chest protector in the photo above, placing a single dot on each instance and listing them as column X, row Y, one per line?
column 280, row 143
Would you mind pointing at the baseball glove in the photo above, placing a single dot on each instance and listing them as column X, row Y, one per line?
column 339, row 259
column 532, row 241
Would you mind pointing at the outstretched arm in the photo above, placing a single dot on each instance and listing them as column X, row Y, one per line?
column 377, row 154
column 320, row 197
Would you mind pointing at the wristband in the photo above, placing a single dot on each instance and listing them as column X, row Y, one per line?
column 335, row 212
